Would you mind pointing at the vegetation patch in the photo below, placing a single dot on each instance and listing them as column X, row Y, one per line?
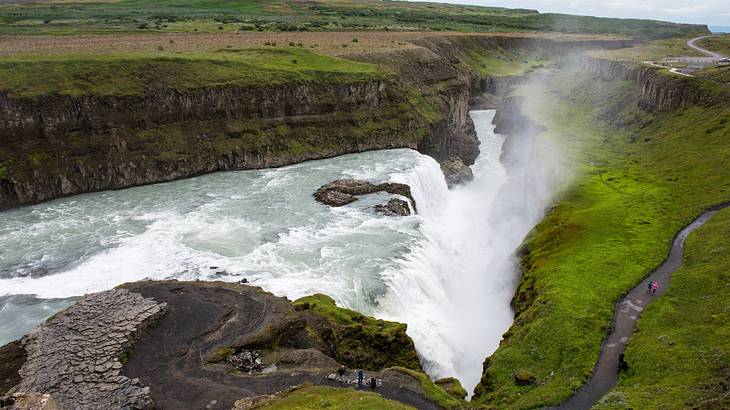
column 434, row 391
column 144, row 73
column 639, row 177
column 678, row 357
column 360, row 341
column 323, row 397
column 101, row 16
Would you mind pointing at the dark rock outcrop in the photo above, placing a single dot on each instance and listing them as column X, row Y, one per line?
column 456, row 172
column 344, row 191
column 190, row 344
column 394, row 207
column 12, row 357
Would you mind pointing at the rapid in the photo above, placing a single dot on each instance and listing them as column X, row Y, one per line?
column 448, row 272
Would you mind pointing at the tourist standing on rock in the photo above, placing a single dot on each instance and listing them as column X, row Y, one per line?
column 342, row 370
column 654, row 287
column 648, row 287
column 360, row 376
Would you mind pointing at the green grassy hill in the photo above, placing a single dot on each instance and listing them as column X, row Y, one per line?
column 103, row 16
column 678, row 358
column 640, row 176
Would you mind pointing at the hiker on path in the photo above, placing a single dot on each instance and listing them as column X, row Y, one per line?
column 360, row 376
column 651, row 282
column 654, row 287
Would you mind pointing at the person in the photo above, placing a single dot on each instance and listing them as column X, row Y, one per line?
column 651, row 282
column 373, row 383
column 654, row 287
column 360, row 376
column 341, row 371
column 622, row 365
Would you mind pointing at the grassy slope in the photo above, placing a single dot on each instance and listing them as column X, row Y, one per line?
column 136, row 74
column 680, row 353
column 718, row 44
column 652, row 50
column 318, row 397
column 640, row 181
column 285, row 15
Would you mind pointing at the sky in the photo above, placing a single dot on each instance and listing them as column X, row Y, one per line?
column 711, row 12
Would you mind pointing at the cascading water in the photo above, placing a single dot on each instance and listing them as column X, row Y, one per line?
column 447, row 272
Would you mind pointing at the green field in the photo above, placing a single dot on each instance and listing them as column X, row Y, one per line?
column 136, row 74
column 320, row 397
column 640, row 177
column 719, row 44
column 62, row 18
column 678, row 358
column 651, row 50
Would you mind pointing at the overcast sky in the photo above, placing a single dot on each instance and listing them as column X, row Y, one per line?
column 712, row 12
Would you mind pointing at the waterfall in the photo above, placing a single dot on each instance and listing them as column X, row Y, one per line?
column 447, row 272
column 454, row 288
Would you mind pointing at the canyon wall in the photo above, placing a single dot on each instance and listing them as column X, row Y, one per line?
column 658, row 89
column 62, row 145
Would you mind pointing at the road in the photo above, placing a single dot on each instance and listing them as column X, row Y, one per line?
column 693, row 44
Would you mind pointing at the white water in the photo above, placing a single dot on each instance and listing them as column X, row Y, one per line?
column 448, row 272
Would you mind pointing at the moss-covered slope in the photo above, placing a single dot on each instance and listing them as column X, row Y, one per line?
column 640, row 176
column 678, row 358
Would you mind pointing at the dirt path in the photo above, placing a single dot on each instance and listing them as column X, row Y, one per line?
column 628, row 310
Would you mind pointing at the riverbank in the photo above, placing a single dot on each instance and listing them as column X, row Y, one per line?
column 98, row 120
column 642, row 172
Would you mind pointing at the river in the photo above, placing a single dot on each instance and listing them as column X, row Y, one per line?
column 447, row 272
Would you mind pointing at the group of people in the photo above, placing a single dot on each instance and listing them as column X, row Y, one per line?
column 371, row 382
column 652, row 287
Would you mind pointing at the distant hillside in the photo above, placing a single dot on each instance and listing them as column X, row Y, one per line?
column 57, row 17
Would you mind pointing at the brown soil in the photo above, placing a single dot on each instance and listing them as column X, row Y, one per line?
column 331, row 43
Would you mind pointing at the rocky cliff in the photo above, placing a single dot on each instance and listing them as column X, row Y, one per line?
column 201, row 344
column 658, row 89
column 59, row 145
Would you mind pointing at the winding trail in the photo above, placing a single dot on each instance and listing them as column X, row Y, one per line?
column 628, row 310
column 692, row 43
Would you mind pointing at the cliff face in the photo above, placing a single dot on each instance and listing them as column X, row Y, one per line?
column 658, row 89
column 63, row 145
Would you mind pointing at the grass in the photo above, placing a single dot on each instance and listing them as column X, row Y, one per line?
column 492, row 65
column 433, row 391
column 678, row 358
column 640, row 177
column 129, row 16
column 138, row 74
column 361, row 341
column 652, row 50
column 319, row 397
column 719, row 44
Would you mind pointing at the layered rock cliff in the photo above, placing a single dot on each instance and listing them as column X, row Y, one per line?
column 658, row 89
column 59, row 145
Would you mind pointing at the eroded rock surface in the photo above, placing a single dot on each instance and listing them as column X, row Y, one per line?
column 75, row 356
column 394, row 207
column 344, row 191
column 456, row 172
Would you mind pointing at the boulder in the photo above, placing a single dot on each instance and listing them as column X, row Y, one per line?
column 344, row 191
column 525, row 377
column 456, row 172
column 394, row 207
column 452, row 386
